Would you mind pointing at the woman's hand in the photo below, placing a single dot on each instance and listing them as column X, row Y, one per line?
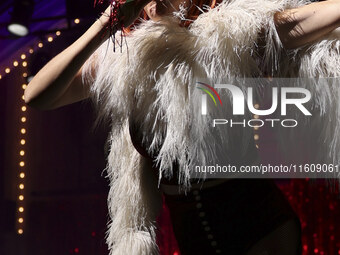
column 300, row 26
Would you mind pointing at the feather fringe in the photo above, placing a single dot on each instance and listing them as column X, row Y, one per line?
column 151, row 85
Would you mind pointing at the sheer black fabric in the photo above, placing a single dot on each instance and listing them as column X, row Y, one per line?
column 283, row 240
column 240, row 216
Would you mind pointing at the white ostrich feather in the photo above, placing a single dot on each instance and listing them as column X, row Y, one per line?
column 151, row 85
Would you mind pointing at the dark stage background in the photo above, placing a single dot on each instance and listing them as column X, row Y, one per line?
column 59, row 159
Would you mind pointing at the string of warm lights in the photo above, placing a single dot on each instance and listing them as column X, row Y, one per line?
column 23, row 130
column 16, row 63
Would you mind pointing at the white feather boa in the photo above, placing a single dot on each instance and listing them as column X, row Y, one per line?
column 149, row 85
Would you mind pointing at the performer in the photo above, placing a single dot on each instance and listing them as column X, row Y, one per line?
column 144, row 91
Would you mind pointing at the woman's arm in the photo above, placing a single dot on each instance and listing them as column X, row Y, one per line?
column 61, row 77
column 299, row 26
column 59, row 82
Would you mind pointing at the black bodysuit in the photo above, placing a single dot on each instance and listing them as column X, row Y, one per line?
column 239, row 216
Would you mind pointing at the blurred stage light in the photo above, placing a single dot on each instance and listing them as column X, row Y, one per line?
column 20, row 17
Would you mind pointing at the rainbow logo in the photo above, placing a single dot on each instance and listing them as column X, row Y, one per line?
column 209, row 93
